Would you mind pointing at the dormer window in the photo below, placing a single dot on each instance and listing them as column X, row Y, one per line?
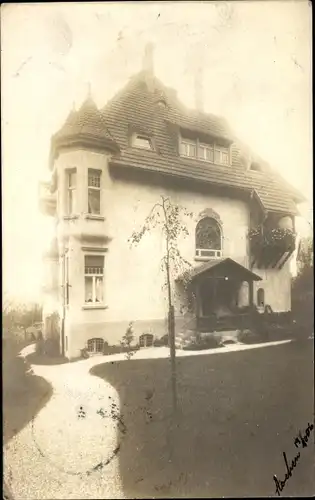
column 205, row 152
column 141, row 141
column 221, row 155
column 255, row 167
column 211, row 152
column 188, row 148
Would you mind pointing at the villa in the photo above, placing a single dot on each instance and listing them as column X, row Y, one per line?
column 109, row 167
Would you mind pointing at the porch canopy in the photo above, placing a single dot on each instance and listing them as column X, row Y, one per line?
column 225, row 268
column 219, row 293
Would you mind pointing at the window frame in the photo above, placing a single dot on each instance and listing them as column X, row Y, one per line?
column 96, row 342
column 205, row 254
column 144, row 338
column 94, row 172
column 71, row 192
column 94, row 276
column 189, row 143
column 213, row 147
column 139, row 135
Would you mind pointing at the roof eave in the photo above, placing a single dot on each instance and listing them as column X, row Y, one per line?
column 77, row 140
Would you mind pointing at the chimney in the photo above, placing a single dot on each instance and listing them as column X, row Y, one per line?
column 148, row 59
column 148, row 66
column 199, row 90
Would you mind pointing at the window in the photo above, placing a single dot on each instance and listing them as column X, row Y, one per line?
column 94, row 274
column 141, row 141
column 188, row 148
column 208, row 239
column 146, row 340
column 261, row 297
column 212, row 153
column 256, row 167
column 205, row 152
column 94, row 192
column 71, row 191
column 221, row 155
column 95, row 345
column 66, row 279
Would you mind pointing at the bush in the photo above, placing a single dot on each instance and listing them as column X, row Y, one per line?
column 85, row 353
column 117, row 349
column 249, row 337
column 162, row 342
column 202, row 343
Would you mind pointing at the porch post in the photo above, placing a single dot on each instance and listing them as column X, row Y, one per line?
column 197, row 301
column 251, row 293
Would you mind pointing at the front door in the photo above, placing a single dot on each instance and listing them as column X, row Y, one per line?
column 217, row 296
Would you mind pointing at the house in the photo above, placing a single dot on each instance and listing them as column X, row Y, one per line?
column 109, row 167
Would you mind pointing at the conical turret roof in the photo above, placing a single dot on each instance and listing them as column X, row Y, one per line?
column 85, row 126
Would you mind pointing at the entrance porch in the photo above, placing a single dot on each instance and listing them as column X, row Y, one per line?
column 223, row 292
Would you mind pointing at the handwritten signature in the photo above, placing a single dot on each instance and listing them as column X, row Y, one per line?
column 299, row 442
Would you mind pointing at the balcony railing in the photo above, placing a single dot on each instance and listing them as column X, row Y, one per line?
column 271, row 247
column 47, row 199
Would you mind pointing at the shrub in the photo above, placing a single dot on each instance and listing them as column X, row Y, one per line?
column 85, row 353
column 117, row 349
column 202, row 343
column 161, row 342
column 249, row 337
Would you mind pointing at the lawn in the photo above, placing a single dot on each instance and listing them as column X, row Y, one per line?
column 239, row 412
column 24, row 394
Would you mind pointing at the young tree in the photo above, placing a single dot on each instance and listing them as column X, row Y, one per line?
column 168, row 217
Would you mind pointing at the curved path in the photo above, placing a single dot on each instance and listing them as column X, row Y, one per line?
column 59, row 455
column 54, row 455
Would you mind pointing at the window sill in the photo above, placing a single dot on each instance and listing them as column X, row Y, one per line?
column 94, row 306
column 196, row 158
column 205, row 259
column 70, row 217
column 94, row 217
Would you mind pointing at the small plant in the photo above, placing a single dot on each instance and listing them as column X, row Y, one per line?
column 127, row 340
column 128, row 337
column 85, row 353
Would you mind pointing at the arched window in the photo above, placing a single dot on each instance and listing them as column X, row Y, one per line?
column 95, row 345
column 261, row 297
column 208, row 239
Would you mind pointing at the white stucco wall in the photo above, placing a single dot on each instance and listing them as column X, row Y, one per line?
column 133, row 277
column 277, row 286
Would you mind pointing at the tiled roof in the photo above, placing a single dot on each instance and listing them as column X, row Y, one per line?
column 137, row 105
column 136, row 108
column 87, row 122
column 226, row 264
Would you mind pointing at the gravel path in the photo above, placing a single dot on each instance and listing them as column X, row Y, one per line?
column 59, row 455
column 54, row 455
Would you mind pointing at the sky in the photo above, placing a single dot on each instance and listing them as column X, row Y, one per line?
column 256, row 62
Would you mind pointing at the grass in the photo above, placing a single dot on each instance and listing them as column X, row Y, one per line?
column 238, row 412
column 24, row 394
